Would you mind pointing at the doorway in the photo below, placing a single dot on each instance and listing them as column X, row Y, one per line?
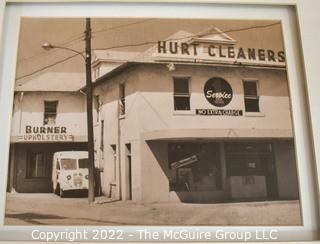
column 129, row 171
column 251, row 161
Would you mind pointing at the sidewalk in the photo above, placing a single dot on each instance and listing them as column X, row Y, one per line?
column 48, row 209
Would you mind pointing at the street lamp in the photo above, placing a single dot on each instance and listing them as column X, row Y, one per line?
column 87, row 58
column 48, row 46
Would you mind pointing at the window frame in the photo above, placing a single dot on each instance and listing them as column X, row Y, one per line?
column 188, row 78
column 251, row 97
column 122, row 99
column 47, row 170
column 45, row 113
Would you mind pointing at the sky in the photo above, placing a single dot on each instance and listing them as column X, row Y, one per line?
column 68, row 32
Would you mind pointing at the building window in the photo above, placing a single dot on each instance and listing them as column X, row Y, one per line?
column 97, row 106
column 102, row 136
column 251, row 98
column 50, row 112
column 194, row 166
column 122, row 97
column 38, row 165
column 181, row 94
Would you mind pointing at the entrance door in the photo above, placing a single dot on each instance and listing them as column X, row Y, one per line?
column 129, row 171
column 251, row 160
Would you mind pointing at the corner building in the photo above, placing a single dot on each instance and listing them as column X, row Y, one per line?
column 195, row 129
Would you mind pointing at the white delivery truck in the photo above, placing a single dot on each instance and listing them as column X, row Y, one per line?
column 70, row 171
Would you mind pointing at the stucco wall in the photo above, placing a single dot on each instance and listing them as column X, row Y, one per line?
column 71, row 112
column 155, row 171
column 155, row 86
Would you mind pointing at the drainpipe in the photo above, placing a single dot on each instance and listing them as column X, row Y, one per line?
column 20, row 115
column 119, row 152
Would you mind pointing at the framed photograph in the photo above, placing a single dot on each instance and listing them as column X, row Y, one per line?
column 127, row 122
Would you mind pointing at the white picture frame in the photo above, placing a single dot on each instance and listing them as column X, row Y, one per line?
column 307, row 17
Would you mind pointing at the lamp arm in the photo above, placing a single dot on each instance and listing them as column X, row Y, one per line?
column 69, row 49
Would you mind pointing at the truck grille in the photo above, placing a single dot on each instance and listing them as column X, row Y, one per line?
column 77, row 180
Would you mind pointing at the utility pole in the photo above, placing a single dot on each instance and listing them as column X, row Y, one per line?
column 91, row 193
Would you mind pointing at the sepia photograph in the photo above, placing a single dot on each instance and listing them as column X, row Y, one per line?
column 152, row 121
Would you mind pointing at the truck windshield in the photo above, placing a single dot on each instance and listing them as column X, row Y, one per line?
column 68, row 163
column 83, row 163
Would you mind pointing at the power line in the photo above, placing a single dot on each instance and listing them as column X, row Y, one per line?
column 147, row 43
column 46, row 67
column 186, row 37
column 121, row 26
column 78, row 37
column 44, row 53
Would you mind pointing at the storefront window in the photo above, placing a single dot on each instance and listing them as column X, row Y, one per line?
column 181, row 94
column 50, row 112
column 195, row 167
column 244, row 159
column 38, row 165
column 251, row 98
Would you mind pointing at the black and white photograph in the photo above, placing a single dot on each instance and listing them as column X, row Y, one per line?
column 152, row 121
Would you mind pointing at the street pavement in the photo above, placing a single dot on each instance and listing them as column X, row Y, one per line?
column 49, row 209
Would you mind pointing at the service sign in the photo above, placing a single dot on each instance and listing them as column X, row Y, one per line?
column 45, row 134
column 218, row 92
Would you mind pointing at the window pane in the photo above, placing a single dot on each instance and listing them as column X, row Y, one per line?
column 252, row 105
column 195, row 167
column 50, row 107
column 181, row 86
column 36, row 165
column 236, row 164
column 250, row 88
column 50, row 112
column 68, row 163
column 83, row 163
column 181, row 103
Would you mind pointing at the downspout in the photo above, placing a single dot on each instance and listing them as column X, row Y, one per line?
column 20, row 115
column 119, row 152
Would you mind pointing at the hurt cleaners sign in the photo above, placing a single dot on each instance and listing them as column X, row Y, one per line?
column 221, row 51
column 45, row 134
